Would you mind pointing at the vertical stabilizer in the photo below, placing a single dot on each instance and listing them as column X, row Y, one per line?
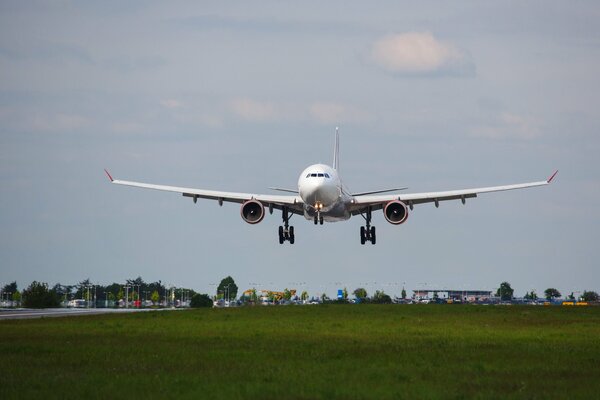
column 336, row 151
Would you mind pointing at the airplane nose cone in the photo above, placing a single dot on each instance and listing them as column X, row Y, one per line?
column 318, row 192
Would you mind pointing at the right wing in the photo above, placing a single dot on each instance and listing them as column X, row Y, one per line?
column 293, row 203
column 377, row 202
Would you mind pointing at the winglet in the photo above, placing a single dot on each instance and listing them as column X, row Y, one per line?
column 109, row 177
column 552, row 177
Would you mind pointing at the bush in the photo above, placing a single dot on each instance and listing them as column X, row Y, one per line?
column 201, row 300
column 37, row 295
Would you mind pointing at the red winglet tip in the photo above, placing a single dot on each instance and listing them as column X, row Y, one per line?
column 109, row 177
column 552, row 177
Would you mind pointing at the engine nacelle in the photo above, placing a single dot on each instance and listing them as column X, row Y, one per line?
column 252, row 211
column 395, row 212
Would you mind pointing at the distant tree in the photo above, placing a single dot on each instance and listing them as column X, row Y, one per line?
column 551, row 293
column 571, row 296
column 155, row 297
column 531, row 295
column 403, row 295
column 360, row 293
column 505, row 291
column 304, row 295
column 345, row 294
column 82, row 291
column 324, row 297
column 16, row 297
column 10, row 288
column 37, row 295
column 120, row 294
column 63, row 291
column 201, row 300
column 381, row 298
column 228, row 288
column 435, row 295
column 589, row 296
column 287, row 295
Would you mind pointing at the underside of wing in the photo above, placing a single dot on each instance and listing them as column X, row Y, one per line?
column 293, row 203
column 360, row 203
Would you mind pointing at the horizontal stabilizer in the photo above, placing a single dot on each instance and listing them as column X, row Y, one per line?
column 284, row 190
column 378, row 191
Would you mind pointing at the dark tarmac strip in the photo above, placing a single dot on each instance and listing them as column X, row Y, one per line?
column 24, row 313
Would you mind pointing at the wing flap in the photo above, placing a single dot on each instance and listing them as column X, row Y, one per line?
column 221, row 196
column 435, row 197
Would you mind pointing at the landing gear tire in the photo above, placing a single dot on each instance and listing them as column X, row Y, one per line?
column 321, row 220
column 367, row 233
column 286, row 232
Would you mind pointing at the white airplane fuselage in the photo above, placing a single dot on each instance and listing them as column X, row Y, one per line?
column 320, row 188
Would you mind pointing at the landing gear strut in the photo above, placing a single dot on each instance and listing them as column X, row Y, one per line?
column 318, row 218
column 367, row 233
column 286, row 232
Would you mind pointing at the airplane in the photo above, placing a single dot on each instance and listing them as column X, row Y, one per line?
column 321, row 197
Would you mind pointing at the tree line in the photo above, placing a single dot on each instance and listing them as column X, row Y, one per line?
column 40, row 295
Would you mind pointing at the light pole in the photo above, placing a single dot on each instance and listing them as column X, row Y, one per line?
column 127, row 295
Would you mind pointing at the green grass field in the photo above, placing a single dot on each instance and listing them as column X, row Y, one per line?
column 310, row 352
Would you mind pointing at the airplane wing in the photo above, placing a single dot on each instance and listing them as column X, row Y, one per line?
column 294, row 203
column 378, row 202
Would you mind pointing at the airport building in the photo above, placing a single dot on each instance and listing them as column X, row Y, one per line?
column 462, row 295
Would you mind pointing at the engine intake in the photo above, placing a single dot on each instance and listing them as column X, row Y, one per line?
column 252, row 211
column 395, row 212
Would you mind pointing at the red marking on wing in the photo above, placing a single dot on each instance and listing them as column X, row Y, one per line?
column 109, row 177
column 552, row 177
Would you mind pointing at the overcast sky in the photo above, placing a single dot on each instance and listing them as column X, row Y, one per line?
column 241, row 96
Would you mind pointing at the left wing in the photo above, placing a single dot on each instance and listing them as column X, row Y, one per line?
column 294, row 203
column 377, row 202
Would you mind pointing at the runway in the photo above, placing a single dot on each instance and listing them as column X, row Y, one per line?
column 24, row 313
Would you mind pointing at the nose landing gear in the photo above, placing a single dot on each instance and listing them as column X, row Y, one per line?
column 367, row 233
column 286, row 232
column 318, row 218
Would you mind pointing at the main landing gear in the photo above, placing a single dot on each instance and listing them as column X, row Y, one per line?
column 286, row 232
column 367, row 233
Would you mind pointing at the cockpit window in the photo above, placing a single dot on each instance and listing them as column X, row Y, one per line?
column 318, row 175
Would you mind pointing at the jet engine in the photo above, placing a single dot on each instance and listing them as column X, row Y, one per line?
column 252, row 211
column 395, row 212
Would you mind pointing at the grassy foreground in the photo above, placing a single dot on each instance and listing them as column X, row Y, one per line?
column 310, row 352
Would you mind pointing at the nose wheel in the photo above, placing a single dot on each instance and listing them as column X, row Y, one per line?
column 318, row 219
column 367, row 233
column 286, row 232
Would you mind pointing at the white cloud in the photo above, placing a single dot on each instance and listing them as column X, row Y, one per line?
column 58, row 122
column 335, row 113
column 127, row 127
column 171, row 103
column 253, row 110
column 509, row 125
column 417, row 53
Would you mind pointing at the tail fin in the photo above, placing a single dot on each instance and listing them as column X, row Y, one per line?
column 336, row 151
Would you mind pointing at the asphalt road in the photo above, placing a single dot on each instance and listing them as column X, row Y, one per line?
column 24, row 313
